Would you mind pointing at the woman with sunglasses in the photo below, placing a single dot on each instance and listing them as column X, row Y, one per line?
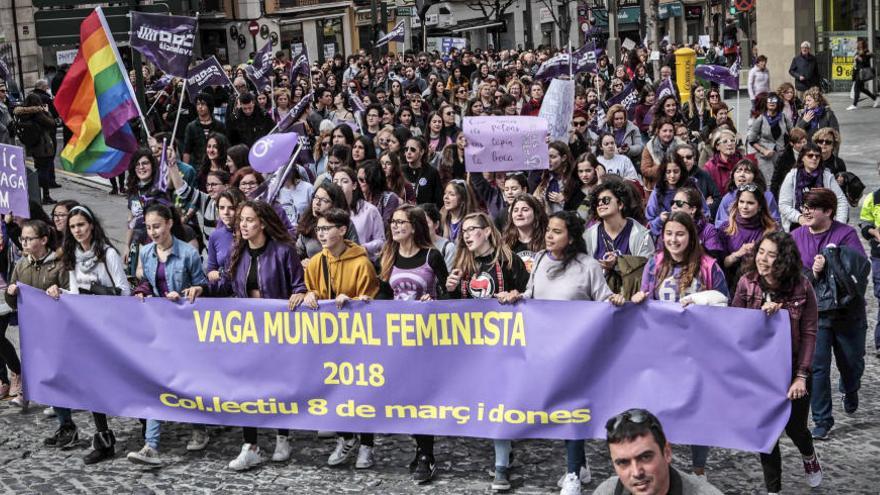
column 768, row 135
column 773, row 280
column 817, row 113
column 747, row 222
column 92, row 266
column 396, row 95
column 746, row 172
column 688, row 199
column 673, row 177
column 420, row 173
column 615, row 233
column 460, row 100
column 484, row 268
column 808, row 174
column 327, row 196
column 828, row 141
column 724, row 159
column 563, row 271
column 714, row 98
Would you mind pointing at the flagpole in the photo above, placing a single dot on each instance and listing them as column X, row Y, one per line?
column 570, row 60
column 155, row 102
column 179, row 107
column 270, row 195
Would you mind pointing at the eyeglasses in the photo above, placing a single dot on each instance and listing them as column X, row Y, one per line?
column 807, row 209
column 811, row 155
column 26, row 240
column 247, row 183
column 60, row 215
column 727, row 141
column 325, row 144
column 579, row 123
column 325, row 228
column 320, row 201
column 399, row 223
column 637, row 416
column 470, row 230
column 748, row 188
column 714, row 96
column 604, row 200
column 680, row 203
column 823, row 141
column 686, row 157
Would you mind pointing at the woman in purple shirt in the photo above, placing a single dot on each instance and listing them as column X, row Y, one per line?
column 220, row 241
column 747, row 222
column 689, row 200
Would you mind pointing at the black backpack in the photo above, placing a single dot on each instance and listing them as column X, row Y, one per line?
column 28, row 132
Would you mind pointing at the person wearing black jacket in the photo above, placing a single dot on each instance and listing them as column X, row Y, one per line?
column 33, row 118
column 195, row 137
column 248, row 123
column 804, row 69
column 420, row 173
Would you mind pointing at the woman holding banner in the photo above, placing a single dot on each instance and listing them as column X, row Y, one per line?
column 170, row 268
column 263, row 264
column 563, row 271
column 95, row 267
column 773, row 281
column 484, row 268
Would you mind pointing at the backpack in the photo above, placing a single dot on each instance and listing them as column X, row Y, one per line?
column 28, row 132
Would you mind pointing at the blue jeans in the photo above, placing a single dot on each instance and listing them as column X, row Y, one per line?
column 574, row 456
column 842, row 334
column 502, row 452
column 875, row 275
column 151, row 438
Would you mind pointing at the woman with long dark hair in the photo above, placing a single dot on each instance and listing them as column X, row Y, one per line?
column 458, row 202
column 362, row 150
column 374, row 189
column 525, row 229
column 215, row 157
column 220, row 241
column 563, row 271
column 689, row 200
column 745, row 172
column 672, row 177
column 366, row 218
column 580, row 184
column 748, row 221
column 773, row 280
column 550, row 190
column 394, row 178
column 94, row 267
column 263, row 264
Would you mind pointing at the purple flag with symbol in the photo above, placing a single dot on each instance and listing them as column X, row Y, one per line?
column 719, row 74
column 299, row 66
column 271, row 152
column 165, row 40
column 396, row 34
column 258, row 72
column 629, row 97
column 13, row 181
column 162, row 82
column 207, row 73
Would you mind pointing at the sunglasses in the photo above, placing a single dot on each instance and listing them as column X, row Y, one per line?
column 680, row 203
column 811, row 155
column 579, row 123
column 637, row 416
column 748, row 188
column 823, row 141
column 604, row 200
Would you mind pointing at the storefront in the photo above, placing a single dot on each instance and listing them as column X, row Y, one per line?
column 323, row 28
column 839, row 26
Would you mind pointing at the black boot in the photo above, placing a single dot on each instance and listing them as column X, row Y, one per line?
column 47, row 200
column 103, row 444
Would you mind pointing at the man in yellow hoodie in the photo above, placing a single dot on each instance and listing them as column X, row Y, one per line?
column 341, row 271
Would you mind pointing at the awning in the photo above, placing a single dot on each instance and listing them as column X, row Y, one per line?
column 312, row 15
column 474, row 24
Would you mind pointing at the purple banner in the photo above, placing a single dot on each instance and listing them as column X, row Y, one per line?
column 165, row 40
column 505, row 144
column 538, row 369
column 719, row 74
column 261, row 68
column 299, row 66
column 560, row 65
column 207, row 73
column 13, row 182
column 396, row 34
column 629, row 97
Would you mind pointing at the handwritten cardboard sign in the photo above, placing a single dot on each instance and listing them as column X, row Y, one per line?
column 505, row 143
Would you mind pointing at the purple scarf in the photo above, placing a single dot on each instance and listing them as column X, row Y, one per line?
column 818, row 113
column 805, row 181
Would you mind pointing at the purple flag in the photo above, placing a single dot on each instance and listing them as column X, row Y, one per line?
column 13, row 182
column 299, row 66
column 165, row 40
column 162, row 178
column 207, row 73
column 559, row 65
column 665, row 88
column 294, row 114
column 271, row 152
column 719, row 74
column 162, row 82
column 585, row 58
column 572, row 365
column 396, row 34
column 305, row 157
column 258, row 71
column 629, row 97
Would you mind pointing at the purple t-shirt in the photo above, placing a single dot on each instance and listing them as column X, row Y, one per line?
column 161, row 280
column 620, row 243
column 809, row 244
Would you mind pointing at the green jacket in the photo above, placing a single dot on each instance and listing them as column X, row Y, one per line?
column 40, row 274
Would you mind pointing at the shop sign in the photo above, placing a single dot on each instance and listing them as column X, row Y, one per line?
column 843, row 51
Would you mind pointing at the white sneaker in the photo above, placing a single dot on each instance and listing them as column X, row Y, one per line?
column 365, row 457
column 851, row 107
column 813, row 470
column 571, row 485
column 147, row 455
column 585, row 476
column 198, row 441
column 246, row 459
column 282, row 448
column 344, row 450
column 49, row 412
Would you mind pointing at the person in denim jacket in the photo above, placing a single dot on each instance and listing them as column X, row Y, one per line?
column 172, row 269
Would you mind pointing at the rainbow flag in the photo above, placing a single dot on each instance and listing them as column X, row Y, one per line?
column 96, row 101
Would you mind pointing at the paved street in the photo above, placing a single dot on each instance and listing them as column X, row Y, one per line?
column 848, row 458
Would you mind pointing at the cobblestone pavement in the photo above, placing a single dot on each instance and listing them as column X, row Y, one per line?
column 849, row 457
